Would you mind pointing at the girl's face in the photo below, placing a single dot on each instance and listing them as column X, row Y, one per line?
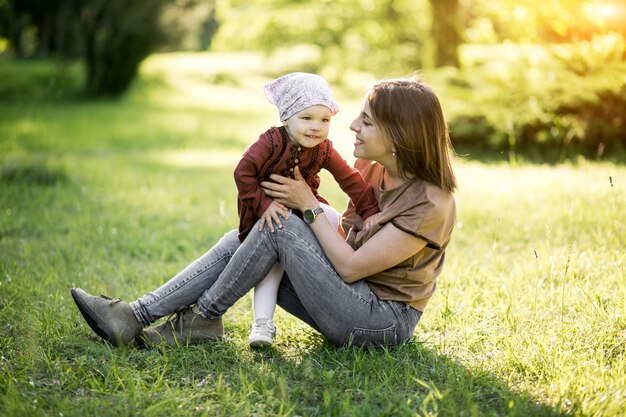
column 371, row 143
column 309, row 127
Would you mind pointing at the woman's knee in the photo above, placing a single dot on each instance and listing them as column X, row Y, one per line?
column 229, row 242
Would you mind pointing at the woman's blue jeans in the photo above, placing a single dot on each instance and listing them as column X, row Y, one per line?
column 310, row 290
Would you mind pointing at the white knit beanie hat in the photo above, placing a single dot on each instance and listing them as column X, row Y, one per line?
column 297, row 91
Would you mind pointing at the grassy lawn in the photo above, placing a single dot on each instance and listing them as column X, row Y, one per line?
column 117, row 196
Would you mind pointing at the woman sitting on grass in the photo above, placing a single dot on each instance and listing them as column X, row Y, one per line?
column 369, row 289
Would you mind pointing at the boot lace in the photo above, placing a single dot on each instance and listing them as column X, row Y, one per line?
column 177, row 319
column 111, row 300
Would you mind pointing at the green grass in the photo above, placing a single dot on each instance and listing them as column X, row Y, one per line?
column 117, row 196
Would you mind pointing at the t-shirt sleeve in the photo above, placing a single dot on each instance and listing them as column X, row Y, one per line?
column 427, row 220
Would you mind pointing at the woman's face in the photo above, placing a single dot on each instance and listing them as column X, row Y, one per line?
column 371, row 143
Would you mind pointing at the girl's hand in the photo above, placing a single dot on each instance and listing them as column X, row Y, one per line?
column 274, row 213
column 293, row 193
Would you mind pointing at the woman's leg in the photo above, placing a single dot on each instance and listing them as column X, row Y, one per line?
column 265, row 293
column 185, row 288
column 342, row 312
column 119, row 322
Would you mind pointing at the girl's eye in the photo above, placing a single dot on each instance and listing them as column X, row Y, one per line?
column 366, row 123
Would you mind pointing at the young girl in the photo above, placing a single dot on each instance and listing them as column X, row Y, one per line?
column 305, row 106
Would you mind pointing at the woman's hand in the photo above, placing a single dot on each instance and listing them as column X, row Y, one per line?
column 292, row 193
column 272, row 215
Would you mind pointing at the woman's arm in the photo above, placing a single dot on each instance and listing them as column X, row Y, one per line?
column 385, row 249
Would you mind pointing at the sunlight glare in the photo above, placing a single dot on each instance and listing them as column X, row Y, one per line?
column 216, row 80
column 601, row 12
column 520, row 13
column 199, row 158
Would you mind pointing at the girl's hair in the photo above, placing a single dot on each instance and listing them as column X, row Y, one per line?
column 408, row 111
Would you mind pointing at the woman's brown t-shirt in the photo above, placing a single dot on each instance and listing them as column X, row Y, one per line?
column 415, row 207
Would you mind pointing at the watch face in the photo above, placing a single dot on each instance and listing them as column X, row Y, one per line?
column 308, row 216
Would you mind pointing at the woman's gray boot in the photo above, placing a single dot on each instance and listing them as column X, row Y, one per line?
column 111, row 319
column 188, row 326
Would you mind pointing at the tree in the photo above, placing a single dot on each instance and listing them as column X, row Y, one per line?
column 529, row 21
column 117, row 35
column 38, row 28
column 446, row 31
column 190, row 24
column 384, row 37
column 112, row 37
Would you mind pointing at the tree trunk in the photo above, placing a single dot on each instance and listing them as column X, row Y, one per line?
column 117, row 36
column 446, row 31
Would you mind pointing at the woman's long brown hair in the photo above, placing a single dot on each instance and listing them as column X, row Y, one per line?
column 409, row 112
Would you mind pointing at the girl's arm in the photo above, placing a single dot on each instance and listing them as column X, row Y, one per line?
column 387, row 248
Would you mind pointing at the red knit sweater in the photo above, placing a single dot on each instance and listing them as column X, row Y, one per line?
column 275, row 153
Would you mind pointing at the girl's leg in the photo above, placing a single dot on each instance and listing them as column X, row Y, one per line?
column 342, row 312
column 266, row 291
column 265, row 294
column 185, row 288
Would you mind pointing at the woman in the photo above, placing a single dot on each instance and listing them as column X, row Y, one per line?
column 369, row 289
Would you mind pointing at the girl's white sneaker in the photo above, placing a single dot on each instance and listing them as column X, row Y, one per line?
column 262, row 333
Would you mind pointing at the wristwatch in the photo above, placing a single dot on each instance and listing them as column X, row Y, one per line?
column 310, row 215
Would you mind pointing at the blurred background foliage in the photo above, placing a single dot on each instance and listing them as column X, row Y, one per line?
column 546, row 80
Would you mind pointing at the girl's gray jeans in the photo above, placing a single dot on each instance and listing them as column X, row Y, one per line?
column 310, row 290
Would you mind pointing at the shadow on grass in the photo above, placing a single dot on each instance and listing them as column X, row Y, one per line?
column 61, row 368
column 399, row 381
column 311, row 378
column 32, row 171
